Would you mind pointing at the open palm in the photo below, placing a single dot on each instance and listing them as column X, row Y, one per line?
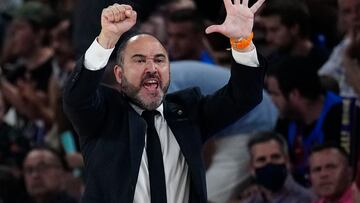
column 239, row 19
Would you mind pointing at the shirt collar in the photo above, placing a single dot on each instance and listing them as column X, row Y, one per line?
column 140, row 110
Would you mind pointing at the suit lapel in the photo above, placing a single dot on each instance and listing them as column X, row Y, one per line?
column 190, row 145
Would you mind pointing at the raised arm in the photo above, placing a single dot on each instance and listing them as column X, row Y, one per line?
column 83, row 98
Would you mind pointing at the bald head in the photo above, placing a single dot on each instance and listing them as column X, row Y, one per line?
column 133, row 39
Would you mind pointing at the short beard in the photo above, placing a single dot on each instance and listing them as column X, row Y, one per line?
column 132, row 93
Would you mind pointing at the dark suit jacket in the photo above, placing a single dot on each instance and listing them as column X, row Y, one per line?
column 112, row 133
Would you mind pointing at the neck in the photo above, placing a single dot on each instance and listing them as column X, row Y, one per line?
column 268, row 195
column 312, row 110
column 339, row 198
column 302, row 47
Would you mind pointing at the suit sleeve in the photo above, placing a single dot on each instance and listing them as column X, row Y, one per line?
column 83, row 100
column 242, row 93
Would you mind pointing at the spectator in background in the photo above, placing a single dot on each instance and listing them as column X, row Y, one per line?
column 323, row 24
column 309, row 115
column 12, row 189
column 63, row 64
column 270, row 167
column 349, row 22
column 331, row 174
column 44, row 171
column 155, row 25
column 351, row 59
column 13, row 146
column 186, row 38
column 27, row 66
column 287, row 29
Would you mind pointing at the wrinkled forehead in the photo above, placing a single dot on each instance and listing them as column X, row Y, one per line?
column 40, row 156
column 326, row 156
column 267, row 148
column 144, row 44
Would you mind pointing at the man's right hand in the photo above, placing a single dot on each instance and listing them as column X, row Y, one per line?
column 115, row 21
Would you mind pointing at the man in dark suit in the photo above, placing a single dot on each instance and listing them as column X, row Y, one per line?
column 118, row 146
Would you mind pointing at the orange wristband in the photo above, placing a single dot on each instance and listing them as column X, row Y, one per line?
column 241, row 43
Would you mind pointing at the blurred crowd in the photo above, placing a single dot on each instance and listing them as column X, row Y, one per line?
column 300, row 144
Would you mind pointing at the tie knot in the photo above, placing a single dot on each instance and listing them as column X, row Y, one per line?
column 149, row 115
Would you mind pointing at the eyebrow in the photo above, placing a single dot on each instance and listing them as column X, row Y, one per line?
column 143, row 56
column 261, row 158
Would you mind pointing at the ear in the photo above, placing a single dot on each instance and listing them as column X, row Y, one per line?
column 118, row 71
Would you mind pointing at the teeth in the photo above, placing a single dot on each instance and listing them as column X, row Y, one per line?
column 151, row 81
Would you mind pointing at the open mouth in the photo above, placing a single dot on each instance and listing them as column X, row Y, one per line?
column 151, row 84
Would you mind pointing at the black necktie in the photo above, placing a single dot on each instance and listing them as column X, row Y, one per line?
column 155, row 160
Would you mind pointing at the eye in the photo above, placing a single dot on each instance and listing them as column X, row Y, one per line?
column 159, row 60
column 140, row 60
column 316, row 169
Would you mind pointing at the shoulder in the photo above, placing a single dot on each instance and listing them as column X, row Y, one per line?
column 188, row 95
column 298, row 192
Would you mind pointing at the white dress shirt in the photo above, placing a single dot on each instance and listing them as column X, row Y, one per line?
column 176, row 169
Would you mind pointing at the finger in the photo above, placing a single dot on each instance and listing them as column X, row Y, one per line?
column 134, row 15
column 212, row 28
column 122, row 11
column 129, row 13
column 117, row 13
column 227, row 4
column 108, row 15
column 256, row 6
column 237, row 2
column 245, row 3
column 125, row 6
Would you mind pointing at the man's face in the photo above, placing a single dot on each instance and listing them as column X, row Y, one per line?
column 61, row 42
column 266, row 153
column 182, row 41
column 43, row 173
column 22, row 37
column 278, row 97
column 145, row 75
column 329, row 173
column 276, row 33
column 349, row 14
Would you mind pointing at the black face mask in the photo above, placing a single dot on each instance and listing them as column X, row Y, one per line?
column 271, row 176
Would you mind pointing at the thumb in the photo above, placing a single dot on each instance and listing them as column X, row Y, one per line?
column 212, row 28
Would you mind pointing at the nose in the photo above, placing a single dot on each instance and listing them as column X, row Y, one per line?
column 151, row 66
column 324, row 174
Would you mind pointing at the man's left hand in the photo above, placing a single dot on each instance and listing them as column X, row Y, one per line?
column 239, row 19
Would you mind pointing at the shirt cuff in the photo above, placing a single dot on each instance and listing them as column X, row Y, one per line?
column 246, row 58
column 96, row 57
